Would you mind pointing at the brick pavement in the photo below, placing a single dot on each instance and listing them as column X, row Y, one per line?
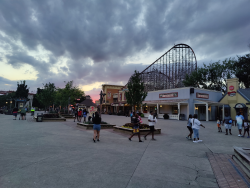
column 226, row 175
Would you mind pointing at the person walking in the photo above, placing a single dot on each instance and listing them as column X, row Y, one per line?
column 196, row 127
column 80, row 115
column 239, row 121
column 15, row 110
column 228, row 123
column 189, row 126
column 246, row 128
column 76, row 115
column 136, row 126
column 97, row 126
column 84, row 114
column 151, row 122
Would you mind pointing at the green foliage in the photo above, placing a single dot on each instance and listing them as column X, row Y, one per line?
column 47, row 95
column 142, row 115
column 242, row 69
column 69, row 94
column 22, row 90
column 136, row 92
column 212, row 77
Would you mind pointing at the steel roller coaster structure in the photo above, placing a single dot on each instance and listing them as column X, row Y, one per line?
column 169, row 70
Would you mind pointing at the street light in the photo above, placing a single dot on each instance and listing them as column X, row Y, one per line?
column 101, row 100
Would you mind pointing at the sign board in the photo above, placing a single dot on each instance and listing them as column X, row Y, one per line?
column 202, row 95
column 231, row 94
column 231, row 88
column 239, row 105
column 21, row 105
column 168, row 95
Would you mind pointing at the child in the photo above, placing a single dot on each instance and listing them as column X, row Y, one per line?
column 189, row 126
column 219, row 124
column 196, row 126
column 246, row 128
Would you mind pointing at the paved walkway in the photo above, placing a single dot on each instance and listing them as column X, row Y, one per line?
column 46, row 154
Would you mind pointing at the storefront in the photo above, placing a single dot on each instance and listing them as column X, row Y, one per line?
column 236, row 99
column 180, row 102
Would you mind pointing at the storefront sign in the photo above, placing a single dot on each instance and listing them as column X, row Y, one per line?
column 168, row 95
column 239, row 105
column 202, row 95
column 21, row 105
column 231, row 88
column 231, row 94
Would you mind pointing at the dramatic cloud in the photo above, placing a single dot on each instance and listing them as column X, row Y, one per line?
column 105, row 41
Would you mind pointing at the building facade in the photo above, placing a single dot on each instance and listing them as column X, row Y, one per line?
column 236, row 99
column 110, row 100
column 178, row 103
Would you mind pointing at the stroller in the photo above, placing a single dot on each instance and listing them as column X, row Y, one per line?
column 22, row 113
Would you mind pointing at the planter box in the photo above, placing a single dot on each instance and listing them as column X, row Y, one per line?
column 130, row 131
column 90, row 126
column 52, row 119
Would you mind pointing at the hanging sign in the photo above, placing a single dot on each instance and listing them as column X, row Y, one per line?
column 239, row 105
column 231, row 88
column 168, row 95
column 202, row 95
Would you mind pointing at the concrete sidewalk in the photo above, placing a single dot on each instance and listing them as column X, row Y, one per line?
column 46, row 154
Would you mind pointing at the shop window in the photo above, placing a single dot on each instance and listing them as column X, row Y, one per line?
column 175, row 110
column 124, row 97
column 120, row 99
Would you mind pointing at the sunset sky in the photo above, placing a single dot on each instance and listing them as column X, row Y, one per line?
column 95, row 42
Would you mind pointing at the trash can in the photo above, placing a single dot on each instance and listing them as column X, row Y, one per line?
column 39, row 117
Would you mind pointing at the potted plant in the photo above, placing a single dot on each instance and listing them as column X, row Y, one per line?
column 166, row 116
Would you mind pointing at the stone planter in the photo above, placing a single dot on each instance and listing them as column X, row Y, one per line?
column 90, row 126
column 130, row 131
column 52, row 119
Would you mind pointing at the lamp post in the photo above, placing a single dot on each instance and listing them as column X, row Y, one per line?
column 101, row 100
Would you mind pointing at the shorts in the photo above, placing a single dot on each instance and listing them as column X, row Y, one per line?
column 228, row 126
column 76, row 115
column 196, row 133
column 239, row 126
column 84, row 116
column 15, row 114
column 97, row 127
column 246, row 129
column 152, row 128
column 22, row 114
column 218, row 125
column 190, row 129
column 136, row 129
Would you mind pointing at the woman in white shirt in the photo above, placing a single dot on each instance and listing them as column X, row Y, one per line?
column 196, row 126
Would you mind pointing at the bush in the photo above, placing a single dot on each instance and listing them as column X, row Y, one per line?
column 51, row 115
column 166, row 116
column 142, row 115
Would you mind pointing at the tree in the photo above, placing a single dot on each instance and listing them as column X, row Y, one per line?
column 46, row 96
column 212, row 77
column 22, row 90
column 69, row 94
column 136, row 92
column 241, row 69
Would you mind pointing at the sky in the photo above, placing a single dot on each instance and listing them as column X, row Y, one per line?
column 95, row 42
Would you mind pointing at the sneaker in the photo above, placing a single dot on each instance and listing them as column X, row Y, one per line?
column 145, row 138
column 153, row 139
column 199, row 141
column 231, row 133
column 226, row 134
column 190, row 139
column 248, row 137
column 187, row 138
column 239, row 135
column 129, row 139
column 195, row 141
